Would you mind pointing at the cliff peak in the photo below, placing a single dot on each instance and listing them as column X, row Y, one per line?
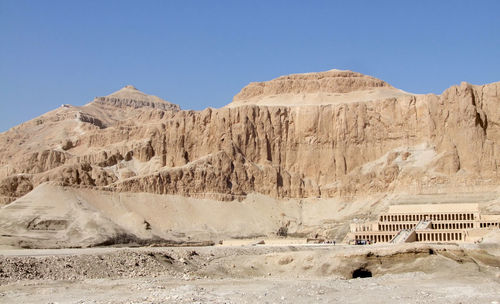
column 130, row 96
column 328, row 87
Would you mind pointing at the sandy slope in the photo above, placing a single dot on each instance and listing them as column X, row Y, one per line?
column 54, row 216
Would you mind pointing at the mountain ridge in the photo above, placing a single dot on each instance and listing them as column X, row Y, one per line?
column 343, row 157
column 261, row 141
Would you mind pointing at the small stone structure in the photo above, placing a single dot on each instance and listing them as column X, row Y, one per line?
column 425, row 223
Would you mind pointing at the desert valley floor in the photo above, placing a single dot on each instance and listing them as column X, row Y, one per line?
column 249, row 273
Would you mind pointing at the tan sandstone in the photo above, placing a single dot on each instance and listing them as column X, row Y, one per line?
column 334, row 135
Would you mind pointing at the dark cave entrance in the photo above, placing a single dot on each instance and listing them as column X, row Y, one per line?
column 361, row 273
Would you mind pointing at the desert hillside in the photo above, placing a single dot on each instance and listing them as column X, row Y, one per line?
column 335, row 136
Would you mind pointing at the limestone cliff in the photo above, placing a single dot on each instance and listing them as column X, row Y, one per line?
column 329, row 134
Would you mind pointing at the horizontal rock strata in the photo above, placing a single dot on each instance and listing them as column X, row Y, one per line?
column 130, row 141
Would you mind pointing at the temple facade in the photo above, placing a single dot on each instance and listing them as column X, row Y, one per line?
column 425, row 223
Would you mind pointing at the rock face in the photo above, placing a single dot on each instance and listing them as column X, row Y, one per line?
column 330, row 87
column 333, row 81
column 129, row 96
column 342, row 134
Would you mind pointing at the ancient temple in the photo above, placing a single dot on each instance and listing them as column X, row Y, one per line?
column 425, row 223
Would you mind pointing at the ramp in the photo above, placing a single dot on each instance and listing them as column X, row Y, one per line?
column 423, row 224
column 402, row 236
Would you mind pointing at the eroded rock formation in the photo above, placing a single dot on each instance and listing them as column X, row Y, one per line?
column 341, row 134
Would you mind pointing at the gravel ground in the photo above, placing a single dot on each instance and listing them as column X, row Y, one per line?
column 281, row 274
column 413, row 287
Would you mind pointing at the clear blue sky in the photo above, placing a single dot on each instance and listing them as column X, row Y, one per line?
column 201, row 53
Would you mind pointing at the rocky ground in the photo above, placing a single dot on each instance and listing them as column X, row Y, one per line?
column 397, row 288
column 253, row 274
